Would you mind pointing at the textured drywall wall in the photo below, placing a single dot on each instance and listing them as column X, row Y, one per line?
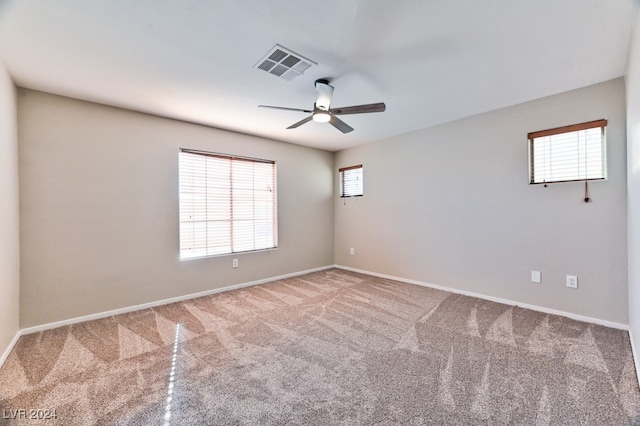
column 451, row 206
column 9, row 214
column 99, row 209
column 633, row 182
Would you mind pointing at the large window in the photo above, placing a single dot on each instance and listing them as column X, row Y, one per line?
column 227, row 204
column 351, row 181
column 570, row 153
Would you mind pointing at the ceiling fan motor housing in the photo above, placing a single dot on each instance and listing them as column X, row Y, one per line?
column 325, row 92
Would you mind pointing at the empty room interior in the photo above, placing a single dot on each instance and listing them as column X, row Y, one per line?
column 338, row 212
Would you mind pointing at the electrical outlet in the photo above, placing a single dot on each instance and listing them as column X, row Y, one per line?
column 352, row 251
column 536, row 277
column 572, row 281
column 235, row 263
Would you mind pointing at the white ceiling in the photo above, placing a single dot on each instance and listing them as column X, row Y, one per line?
column 430, row 61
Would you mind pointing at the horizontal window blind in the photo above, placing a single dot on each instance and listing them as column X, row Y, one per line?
column 227, row 204
column 351, row 181
column 570, row 153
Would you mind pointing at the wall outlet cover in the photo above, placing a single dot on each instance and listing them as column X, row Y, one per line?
column 536, row 277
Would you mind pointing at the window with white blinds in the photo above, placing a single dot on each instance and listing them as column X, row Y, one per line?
column 351, row 181
column 570, row 153
column 227, row 204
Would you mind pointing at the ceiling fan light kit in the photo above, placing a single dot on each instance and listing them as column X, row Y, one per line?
column 323, row 113
column 321, row 116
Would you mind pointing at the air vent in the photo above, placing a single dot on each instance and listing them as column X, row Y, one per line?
column 282, row 62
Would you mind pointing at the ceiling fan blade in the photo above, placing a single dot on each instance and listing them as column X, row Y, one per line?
column 340, row 125
column 301, row 122
column 285, row 108
column 359, row 109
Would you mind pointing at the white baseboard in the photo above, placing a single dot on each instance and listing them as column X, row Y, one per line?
column 576, row 317
column 107, row 314
column 7, row 351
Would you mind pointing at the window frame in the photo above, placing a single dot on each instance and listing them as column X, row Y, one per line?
column 209, row 249
column 342, row 182
column 601, row 124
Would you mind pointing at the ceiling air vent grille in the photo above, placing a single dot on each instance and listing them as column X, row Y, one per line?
column 284, row 63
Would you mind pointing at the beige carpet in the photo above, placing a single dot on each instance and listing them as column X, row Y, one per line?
column 332, row 347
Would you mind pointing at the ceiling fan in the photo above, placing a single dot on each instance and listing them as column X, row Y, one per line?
column 322, row 113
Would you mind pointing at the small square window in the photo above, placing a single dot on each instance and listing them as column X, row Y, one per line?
column 351, row 181
column 570, row 153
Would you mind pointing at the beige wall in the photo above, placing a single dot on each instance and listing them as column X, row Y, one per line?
column 9, row 214
column 99, row 211
column 633, row 182
column 451, row 206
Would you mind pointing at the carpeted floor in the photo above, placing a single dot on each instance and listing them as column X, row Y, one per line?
column 332, row 347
